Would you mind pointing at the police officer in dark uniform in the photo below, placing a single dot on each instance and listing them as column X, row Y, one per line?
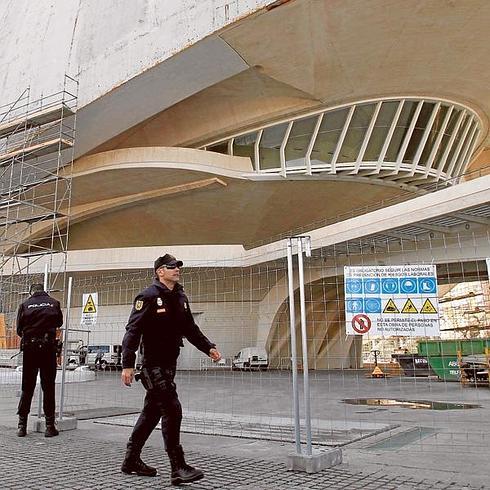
column 37, row 320
column 160, row 318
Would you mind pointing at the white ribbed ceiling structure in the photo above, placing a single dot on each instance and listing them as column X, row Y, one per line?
column 405, row 140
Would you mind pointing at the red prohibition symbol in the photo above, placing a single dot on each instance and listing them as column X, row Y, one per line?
column 361, row 323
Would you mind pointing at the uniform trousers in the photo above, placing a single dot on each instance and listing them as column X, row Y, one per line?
column 38, row 357
column 161, row 403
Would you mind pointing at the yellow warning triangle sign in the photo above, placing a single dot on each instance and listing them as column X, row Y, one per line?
column 428, row 307
column 391, row 307
column 409, row 307
column 377, row 373
column 90, row 305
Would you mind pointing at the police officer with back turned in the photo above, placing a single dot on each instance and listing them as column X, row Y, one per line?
column 37, row 320
column 160, row 318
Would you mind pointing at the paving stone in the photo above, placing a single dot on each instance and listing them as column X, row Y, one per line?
column 74, row 461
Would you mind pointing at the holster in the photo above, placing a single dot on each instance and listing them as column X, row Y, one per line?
column 156, row 379
column 145, row 379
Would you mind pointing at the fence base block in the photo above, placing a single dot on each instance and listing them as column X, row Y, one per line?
column 318, row 461
column 68, row 423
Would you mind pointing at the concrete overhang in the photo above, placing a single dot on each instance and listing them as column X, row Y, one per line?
column 185, row 196
column 455, row 201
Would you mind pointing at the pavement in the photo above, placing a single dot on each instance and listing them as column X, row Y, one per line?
column 417, row 449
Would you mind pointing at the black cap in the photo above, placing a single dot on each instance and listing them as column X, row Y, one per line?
column 167, row 259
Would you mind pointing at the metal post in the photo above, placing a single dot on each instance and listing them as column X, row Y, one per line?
column 294, row 359
column 40, row 393
column 306, row 383
column 65, row 347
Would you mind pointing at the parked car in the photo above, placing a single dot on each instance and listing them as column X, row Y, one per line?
column 251, row 358
column 104, row 356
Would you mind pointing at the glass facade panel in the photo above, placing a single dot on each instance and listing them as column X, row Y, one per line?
column 434, row 132
column 244, row 146
column 464, row 148
column 459, row 135
column 380, row 131
column 219, row 148
column 447, row 136
column 269, row 146
column 418, row 132
column 400, row 130
column 328, row 136
column 355, row 134
column 299, row 140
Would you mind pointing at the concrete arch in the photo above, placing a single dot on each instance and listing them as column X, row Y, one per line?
column 328, row 347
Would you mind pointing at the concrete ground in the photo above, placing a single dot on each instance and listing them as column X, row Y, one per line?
column 385, row 447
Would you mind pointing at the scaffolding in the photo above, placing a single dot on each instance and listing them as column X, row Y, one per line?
column 36, row 157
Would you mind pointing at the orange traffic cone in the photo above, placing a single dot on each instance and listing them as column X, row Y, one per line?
column 378, row 373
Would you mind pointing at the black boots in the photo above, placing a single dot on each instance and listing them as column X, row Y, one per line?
column 22, row 426
column 51, row 430
column 132, row 464
column 182, row 472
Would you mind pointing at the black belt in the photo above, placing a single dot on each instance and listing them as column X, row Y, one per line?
column 39, row 340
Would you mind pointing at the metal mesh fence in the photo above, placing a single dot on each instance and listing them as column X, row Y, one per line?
column 433, row 394
column 426, row 397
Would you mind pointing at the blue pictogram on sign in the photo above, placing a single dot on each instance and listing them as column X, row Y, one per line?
column 408, row 285
column 372, row 305
column 354, row 305
column 427, row 285
column 371, row 286
column 353, row 286
column 389, row 286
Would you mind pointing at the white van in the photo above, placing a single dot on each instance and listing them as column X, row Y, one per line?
column 109, row 355
column 251, row 358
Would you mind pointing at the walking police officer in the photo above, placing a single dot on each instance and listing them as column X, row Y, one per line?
column 160, row 318
column 37, row 320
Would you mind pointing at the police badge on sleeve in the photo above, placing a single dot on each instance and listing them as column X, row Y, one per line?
column 138, row 305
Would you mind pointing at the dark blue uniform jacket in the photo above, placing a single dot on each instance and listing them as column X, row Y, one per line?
column 39, row 315
column 160, row 318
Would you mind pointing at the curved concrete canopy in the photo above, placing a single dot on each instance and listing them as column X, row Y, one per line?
column 154, row 196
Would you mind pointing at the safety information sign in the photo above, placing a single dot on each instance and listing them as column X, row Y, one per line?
column 89, row 309
column 392, row 300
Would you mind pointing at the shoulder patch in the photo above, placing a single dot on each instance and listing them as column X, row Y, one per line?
column 138, row 305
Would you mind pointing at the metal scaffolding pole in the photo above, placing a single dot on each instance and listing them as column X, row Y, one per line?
column 302, row 243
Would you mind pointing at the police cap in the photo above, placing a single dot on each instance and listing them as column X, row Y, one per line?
column 167, row 259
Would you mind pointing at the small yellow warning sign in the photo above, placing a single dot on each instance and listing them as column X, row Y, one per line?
column 90, row 305
column 391, row 307
column 428, row 307
column 409, row 307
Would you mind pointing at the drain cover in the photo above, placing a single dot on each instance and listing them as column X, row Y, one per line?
column 414, row 404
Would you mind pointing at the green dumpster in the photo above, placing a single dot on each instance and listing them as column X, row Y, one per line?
column 443, row 354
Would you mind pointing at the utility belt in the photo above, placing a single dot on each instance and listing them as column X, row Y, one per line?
column 43, row 341
column 157, row 379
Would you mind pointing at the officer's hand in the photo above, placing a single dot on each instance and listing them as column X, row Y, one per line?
column 127, row 376
column 214, row 355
